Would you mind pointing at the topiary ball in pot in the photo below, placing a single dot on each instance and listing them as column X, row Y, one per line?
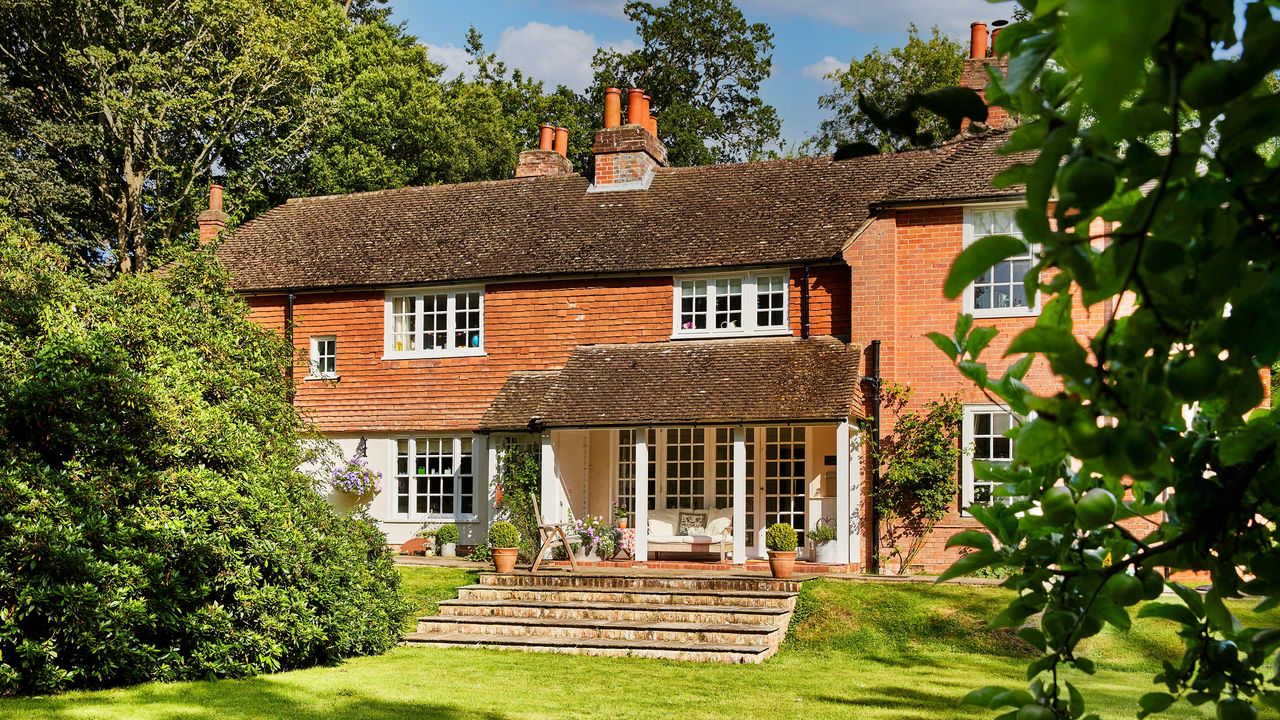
column 504, row 543
column 447, row 540
column 781, row 540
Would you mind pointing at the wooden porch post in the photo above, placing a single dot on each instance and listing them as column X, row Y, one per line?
column 641, row 550
column 550, row 482
column 739, row 495
column 844, row 492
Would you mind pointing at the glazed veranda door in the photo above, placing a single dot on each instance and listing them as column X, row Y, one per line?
column 785, row 495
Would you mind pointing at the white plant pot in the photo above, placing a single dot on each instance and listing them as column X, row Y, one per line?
column 826, row 554
column 449, row 550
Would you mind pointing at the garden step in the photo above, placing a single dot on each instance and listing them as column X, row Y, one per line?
column 704, row 652
column 687, row 632
column 610, row 581
column 666, row 596
column 649, row 612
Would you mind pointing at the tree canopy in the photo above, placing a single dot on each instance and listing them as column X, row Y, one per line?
column 1174, row 237
column 702, row 64
column 887, row 81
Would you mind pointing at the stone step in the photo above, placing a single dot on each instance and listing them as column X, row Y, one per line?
column 663, row 596
column 642, row 611
column 611, row 581
column 588, row 628
column 701, row 652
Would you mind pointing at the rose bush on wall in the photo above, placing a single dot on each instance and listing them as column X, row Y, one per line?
column 153, row 524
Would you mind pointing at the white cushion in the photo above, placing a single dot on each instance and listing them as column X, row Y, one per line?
column 718, row 521
column 686, row 540
column 662, row 522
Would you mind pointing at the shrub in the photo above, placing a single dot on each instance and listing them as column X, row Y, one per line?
column 521, row 475
column 481, row 553
column 823, row 532
column 153, row 524
column 781, row 537
column 446, row 534
column 503, row 534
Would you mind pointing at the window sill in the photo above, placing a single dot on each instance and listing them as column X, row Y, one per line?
column 456, row 518
column 716, row 335
column 331, row 378
column 435, row 354
column 1005, row 313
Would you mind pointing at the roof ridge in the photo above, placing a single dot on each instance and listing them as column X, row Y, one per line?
column 433, row 186
column 959, row 147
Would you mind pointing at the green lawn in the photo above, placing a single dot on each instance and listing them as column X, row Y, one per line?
column 863, row 650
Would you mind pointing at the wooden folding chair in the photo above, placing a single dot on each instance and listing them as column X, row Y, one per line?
column 552, row 534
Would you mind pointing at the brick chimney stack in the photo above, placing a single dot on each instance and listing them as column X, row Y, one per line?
column 627, row 155
column 982, row 56
column 212, row 221
column 551, row 157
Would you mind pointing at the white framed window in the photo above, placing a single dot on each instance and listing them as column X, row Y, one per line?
column 625, row 467
column 686, row 477
column 983, row 437
column 999, row 292
column 434, row 323
column 324, row 357
column 785, row 478
column 434, row 478
column 754, row 303
column 724, row 476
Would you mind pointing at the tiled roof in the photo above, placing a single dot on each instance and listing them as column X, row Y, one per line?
column 705, row 381
column 967, row 173
column 517, row 402
column 782, row 211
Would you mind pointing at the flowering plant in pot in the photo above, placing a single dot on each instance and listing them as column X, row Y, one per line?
column 823, row 536
column 590, row 531
column 504, row 541
column 356, row 478
column 781, row 540
column 620, row 517
column 447, row 540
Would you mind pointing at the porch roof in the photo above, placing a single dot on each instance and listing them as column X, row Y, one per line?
column 747, row 380
column 516, row 404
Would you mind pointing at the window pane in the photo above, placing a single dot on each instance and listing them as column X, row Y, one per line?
column 693, row 304
column 435, row 322
column 728, row 304
column 771, row 299
column 404, row 323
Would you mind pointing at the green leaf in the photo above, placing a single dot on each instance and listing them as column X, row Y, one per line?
column 1190, row 597
column 1169, row 611
column 1220, row 618
column 1155, row 702
column 1075, row 705
column 945, row 344
column 970, row 538
column 979, row 339
column 982, row 696
column 1042, row 339
column 968, row 564
column 979, row 257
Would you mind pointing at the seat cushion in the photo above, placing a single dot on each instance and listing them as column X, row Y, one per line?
column 662, row 522
column 719, row 522
column 685, row 540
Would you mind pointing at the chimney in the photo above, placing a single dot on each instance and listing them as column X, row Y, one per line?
column 562, row 142
column 627, row 155
column 612, row 107
column 212, row 221
column 974, row 76
column 549, row 158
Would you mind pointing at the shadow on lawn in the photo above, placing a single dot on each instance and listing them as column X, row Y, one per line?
column 221, row 699
column 940, row 703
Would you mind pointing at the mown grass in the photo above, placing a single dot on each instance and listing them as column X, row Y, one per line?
column 858, row 650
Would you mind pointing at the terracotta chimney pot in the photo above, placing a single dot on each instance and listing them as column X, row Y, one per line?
column 978, row 40
column 653, row 125
column 562, row 141
column 215, row 198
column 635, row 106
column 612, row 107
column 645, row 114
column 545, row 134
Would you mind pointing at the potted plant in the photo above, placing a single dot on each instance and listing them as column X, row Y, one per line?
column 590, row 531
column 504, row 542
column 780, row 540
column 823, row 536
column 447, row 540
column 355, row 483
column 620, row 516
column 428, row 535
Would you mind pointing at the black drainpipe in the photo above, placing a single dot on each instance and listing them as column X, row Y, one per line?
column 804, row 303
column 873, row 380
column 288, row 338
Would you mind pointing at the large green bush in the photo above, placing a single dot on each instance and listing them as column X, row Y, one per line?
column 153, row 524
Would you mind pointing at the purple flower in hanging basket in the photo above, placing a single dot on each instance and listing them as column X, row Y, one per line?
column 355, row 477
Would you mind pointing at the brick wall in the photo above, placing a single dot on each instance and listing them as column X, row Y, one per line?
column 527, row 326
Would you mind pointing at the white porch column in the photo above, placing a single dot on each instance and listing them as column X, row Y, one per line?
column 550, row 505
column 483, row 507
column 641, row 550
column 844, row 494
column 856, row 441
column 490, row 474
column 739, row 495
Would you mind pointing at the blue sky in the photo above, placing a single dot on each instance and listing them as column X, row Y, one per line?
column 553, row 40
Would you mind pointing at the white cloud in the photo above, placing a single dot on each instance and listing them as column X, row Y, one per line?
column 555, row 54
column 952, row 16
column 455, row 59
column 821, row 69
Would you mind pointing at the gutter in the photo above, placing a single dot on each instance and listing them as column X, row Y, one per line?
column 947, row 202
column 804, row 303
column 288, row 338
column 873, row 379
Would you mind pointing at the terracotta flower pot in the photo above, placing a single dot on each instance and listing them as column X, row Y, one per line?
column 781, row 563
column 504, row 559
column 622, row 524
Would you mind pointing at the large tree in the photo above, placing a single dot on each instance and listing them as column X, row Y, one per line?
column 134, row 102
column 702, row 63
column 887, row 81
column 1176, row 241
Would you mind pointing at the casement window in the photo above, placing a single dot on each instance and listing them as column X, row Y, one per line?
column 686, row 454
column 724, row 476
column 626, row 469
column 983, row 437
column 785, row 480
column 324, row 357
column 435, row 323
column 727, row 305
column 434, row 478
column 999, row 292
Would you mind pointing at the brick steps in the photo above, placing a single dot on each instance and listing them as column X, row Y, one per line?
column 702, row 618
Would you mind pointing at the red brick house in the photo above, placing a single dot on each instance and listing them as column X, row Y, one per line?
column 668, row 339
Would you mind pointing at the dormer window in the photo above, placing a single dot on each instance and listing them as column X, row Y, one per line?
column 435, row 323
column 752, row 303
